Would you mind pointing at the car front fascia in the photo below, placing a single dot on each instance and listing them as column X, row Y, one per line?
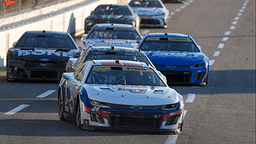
column 88, row 107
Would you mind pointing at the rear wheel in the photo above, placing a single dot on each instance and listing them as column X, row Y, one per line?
column 61, row 106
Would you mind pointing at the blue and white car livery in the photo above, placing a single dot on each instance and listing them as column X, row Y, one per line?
column 178, row 57
column 152, row 12
column 119, row 95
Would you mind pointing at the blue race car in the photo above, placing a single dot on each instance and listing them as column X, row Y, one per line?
column 178, row 57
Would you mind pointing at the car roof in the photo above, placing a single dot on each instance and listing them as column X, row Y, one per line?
column 46, row 32
column 117, row 50
column 167, row 35
column 118, row 63
column 113, row 5
column 114, row 25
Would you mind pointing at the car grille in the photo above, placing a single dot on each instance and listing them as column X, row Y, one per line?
column 177, row 76
column 135, row 120
column 44, row 65
column 44, row 74
column 150, row 21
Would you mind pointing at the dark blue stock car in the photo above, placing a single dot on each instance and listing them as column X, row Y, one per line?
column 178, row 57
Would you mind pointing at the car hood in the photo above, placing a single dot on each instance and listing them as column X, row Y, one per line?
column 111, row 42
column 132, row 95
column 109, row 18
column 149, row 11
column 175, row 58
column 39, row 54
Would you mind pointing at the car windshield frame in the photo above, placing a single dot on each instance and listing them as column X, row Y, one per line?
column 114, row 33
column 174, row 44
column 45, row 41
column 124, row 75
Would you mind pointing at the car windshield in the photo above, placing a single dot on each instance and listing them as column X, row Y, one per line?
column 169, row 44
column 145, row 4
column 112, row 10
column 114, row 33
column 126, row 75
column 45, row 41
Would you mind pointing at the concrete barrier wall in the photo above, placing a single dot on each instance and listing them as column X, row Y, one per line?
column 69, row 21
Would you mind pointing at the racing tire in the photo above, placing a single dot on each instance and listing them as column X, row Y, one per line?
column 8, row 76
column 78, row 115
column 61, row 106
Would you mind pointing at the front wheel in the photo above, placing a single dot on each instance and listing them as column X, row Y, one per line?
column 61, row 106
column 78, row 115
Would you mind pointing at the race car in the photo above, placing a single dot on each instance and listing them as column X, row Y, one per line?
column 120, row 95
column 109, row 53
column 40, row 55
column 152, row 12
column 121, row 35
column 112, row 13
column 178, row 57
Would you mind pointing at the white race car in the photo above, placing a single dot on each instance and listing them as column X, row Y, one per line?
column 120, row 35
column 152, row 12
column 122, row 95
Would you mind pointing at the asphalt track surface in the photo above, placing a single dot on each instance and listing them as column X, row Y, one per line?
column 223, row 112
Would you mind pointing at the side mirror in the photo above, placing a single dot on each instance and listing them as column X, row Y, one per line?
column 14, row 44
column 85, row 36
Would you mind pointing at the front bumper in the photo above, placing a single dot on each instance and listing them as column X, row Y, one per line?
column 153, row 21
column 122, row 119
column 185, row 76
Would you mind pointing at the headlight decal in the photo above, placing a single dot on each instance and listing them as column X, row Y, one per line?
column 168, row 115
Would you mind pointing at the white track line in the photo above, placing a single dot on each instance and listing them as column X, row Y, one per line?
column 221, row 45
column 216, row 54
column 211, row 62
column 236, row 18
column 17, row 109
column 234, row 22
column 45, row 94
column 190, row 98
column 227, row 33
column 173, row 138
column 224, row 39
column 145, row 32
column 239, row 14
column 232, row 27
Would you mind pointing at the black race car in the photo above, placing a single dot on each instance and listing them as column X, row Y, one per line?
column 112, row 13
column 40, row 55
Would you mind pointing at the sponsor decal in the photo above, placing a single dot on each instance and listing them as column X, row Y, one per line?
column 168, row 115
column 132, row 90
column 169, row 39
column 43, row 52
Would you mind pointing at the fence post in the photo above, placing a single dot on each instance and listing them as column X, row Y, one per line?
column 20, row 4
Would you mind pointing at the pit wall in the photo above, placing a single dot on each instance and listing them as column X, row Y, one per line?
column 71, row 21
